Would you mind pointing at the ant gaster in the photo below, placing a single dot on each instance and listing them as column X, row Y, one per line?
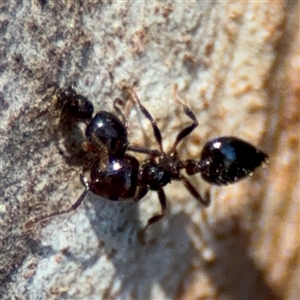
column 117, row 175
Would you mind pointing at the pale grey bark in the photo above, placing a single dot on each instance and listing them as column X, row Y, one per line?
column 227, row 59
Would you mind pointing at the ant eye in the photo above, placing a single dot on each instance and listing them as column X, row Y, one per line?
column 106, row 130
column 226, row 160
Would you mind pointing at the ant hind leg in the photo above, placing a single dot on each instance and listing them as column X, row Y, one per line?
column 186, row 131
column 193, row 191
column 146, row 113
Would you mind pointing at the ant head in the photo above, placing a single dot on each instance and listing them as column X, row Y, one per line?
column 106, row 130
column 225, row 160
column 74, row 106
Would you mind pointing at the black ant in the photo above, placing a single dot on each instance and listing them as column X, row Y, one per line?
column 117, row 175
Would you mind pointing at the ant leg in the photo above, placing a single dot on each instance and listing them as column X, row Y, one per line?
column 162, row 200
column 146, row 113
column 139, row 149
column 89, row 147
column 193, row 191
column 83, row 180
column 118, row 110
column 141, row 193
column 186, row 131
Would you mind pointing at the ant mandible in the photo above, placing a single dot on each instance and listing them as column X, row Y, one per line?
column 117, row 175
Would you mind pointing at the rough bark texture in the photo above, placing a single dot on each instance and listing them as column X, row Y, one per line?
column 236, row 65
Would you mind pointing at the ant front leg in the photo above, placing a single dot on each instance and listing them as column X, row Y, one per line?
column 154, row 219
column 37, row 219
column 85, row 183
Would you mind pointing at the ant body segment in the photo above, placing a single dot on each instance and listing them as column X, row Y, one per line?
column 117, row 175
